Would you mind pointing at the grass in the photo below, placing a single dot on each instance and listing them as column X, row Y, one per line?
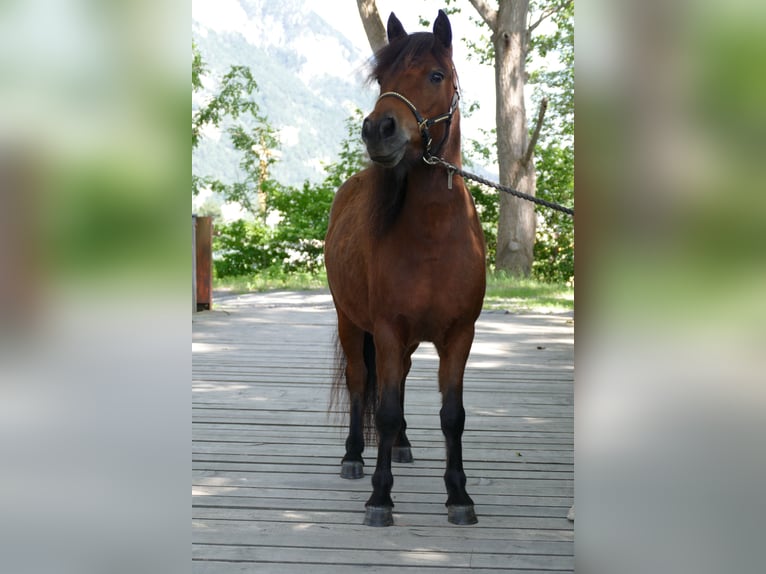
column 271, row 281
column 503, row 292
column 527, row 295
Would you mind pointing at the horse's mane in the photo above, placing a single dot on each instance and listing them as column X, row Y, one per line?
column 398, row 54
column 390, row 184
column 388, row 194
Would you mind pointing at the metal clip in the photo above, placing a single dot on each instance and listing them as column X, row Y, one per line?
column 450, row 173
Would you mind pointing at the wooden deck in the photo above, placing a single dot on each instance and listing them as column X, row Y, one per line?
column 266, row 490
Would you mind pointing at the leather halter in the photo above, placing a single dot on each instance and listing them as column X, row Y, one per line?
column 425, row 123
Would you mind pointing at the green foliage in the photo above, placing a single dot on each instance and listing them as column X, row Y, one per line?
column 242, row 248
column 554, row 248
column 304, row 213
column 555, row 82
column 554, row 155
column 303, row 225
column 256, row 146
column 487, row 206
column 231, row 101
column 296, row 243
column 351, row 158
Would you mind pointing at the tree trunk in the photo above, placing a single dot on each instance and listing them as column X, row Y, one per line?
column 373, row 24
column 516, row 222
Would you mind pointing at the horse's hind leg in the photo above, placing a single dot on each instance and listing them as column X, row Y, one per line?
column 352, row 339
column 402, row 450
column 453, row 357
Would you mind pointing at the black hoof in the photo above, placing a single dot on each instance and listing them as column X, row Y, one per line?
column 462, row 515
column 352, row 469
column 378, row 516
column 401, row 454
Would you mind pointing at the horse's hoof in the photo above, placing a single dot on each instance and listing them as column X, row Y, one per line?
column 352, row 469
column 462, row 515
column 378, row 516
column 401, row 454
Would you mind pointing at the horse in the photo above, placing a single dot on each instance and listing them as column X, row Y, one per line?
column 405, row 261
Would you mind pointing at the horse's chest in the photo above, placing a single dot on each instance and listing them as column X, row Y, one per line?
column 437, row 224
column 433, row 278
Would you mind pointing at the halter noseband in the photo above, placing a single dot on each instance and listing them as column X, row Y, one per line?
column 425, row 123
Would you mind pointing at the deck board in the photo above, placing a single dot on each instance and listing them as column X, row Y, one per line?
column 266, row 490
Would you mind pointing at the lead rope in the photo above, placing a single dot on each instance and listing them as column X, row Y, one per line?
column 452, row 169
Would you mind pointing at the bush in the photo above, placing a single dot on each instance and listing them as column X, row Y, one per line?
column 554, row 242
column 487, row 206
column 244, row 247
column 554, row 250
column 300, row 233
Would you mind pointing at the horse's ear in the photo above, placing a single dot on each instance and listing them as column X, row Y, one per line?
column 442, row 29
column 394, row 28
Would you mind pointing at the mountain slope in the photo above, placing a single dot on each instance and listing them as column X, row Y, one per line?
column 310, row 79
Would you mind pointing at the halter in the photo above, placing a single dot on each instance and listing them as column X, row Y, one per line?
column 425, row 123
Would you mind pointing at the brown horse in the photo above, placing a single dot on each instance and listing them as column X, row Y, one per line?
column 405, row 262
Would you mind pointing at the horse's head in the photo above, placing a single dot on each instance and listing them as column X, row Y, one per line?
column 418, row 94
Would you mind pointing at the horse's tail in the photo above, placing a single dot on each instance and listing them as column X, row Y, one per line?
column 370, row 396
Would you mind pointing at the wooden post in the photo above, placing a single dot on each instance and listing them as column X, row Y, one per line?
column 194, row 263
column 204, row 234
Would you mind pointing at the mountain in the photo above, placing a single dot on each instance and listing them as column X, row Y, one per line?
column 310, row 79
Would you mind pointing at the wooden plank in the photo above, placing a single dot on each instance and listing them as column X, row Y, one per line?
column 404, row 517
column 351, row 537
column 477, row 485
column 202, row 490
column 430, row 537
column 218, row 440
column 351, row 504
column 428, row 458
column 397, row 557
column 208, row 566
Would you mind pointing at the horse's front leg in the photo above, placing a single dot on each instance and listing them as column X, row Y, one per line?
column 453, row 356
column 389, row 354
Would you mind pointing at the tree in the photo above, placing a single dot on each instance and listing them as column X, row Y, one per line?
column 554, row 245
column 511, row 30
column 373, row 24
column 231, row 101
column 296, row 243
column 511, row 34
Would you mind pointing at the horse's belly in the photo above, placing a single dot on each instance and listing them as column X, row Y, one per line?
column 427, row 307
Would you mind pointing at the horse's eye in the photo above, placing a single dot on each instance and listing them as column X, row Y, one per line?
column 436, row 77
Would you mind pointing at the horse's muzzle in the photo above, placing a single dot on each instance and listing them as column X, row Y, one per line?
column 385, row 140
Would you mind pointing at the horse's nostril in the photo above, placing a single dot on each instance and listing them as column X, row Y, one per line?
column 366, row 128
column 387, row 127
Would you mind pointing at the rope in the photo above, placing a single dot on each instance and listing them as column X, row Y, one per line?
column 451, row 168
